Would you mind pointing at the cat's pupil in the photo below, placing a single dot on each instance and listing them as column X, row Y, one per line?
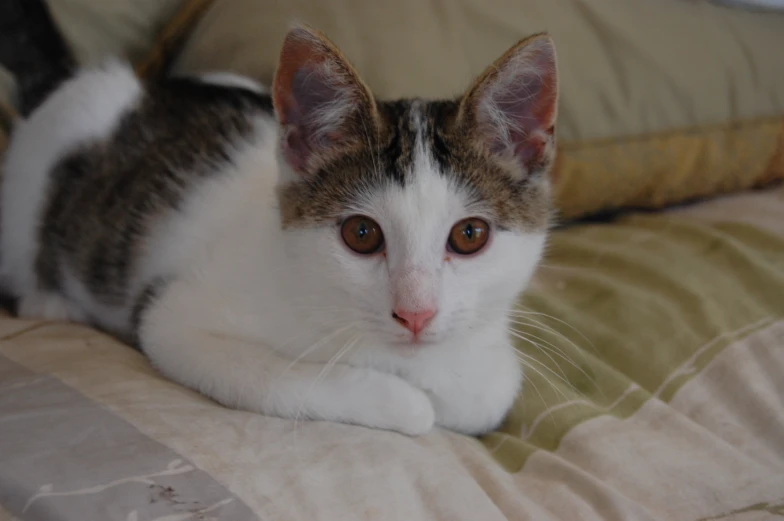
column 362, row 231
column 469, row 231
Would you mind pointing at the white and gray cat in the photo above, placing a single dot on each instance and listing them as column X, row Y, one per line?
column 316, row 253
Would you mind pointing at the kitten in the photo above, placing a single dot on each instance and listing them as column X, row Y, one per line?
column 350, row 260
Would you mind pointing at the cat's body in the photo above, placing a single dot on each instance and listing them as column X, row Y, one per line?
column 107, row 187
column 184, row 217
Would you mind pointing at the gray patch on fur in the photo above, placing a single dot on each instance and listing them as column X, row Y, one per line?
column 144, row 301
column 104, row 199
column 386, row 154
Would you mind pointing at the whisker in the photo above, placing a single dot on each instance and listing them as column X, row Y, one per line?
column 527, row 313
column 314, row 347
column 325, row 370
column 536, row 389
column 536, row 324
column 555, row 350
column 521, row 336
column 537, row 371
column 561, row 267
column 523, row 359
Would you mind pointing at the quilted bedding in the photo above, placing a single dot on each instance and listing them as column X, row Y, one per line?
column 656, row 393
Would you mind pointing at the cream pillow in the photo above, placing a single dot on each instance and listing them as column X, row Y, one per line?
column 96, row 29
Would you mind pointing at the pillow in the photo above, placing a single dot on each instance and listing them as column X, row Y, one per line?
column 92, row 32
column 754, row 4
column 662, row 102
column 96, row 29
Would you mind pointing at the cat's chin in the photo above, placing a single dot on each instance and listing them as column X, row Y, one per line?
column 407, row 350
column 410, row 347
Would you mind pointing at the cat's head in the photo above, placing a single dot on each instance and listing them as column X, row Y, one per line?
column 417, row 221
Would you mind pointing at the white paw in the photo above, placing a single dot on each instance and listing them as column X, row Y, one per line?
column 404, row 408
column 48, row 306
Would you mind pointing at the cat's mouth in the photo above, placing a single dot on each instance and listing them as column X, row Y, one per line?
column 410, row 344
column 408, row 350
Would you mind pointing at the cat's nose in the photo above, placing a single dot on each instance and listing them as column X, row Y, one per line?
column 414, row 321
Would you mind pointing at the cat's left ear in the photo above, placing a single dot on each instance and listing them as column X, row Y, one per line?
column 321, row 103
column 511, row 108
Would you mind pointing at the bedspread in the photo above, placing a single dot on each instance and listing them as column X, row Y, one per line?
column 654, row 347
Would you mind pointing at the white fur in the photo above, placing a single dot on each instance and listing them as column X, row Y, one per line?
column 229, row 79
column 331, row 116
column 84, row 109
column 290, row 322
column 302, row 295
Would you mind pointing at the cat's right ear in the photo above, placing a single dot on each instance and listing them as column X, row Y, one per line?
column 321, row 103
column 512, row 107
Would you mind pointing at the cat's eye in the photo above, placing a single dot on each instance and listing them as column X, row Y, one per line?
column 362, row 234
column 468, row 236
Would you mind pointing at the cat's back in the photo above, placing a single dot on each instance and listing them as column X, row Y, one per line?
column 94, row 169
column 84, row 109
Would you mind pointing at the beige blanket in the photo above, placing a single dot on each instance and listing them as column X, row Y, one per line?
column 669, row 407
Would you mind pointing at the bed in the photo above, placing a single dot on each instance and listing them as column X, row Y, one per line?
column 673, row 409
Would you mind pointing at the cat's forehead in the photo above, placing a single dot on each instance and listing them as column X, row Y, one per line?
column 416, row 146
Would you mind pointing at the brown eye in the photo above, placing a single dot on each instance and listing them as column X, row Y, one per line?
column 469, row 236
column 362, row 234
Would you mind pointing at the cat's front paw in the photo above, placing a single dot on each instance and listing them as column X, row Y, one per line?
column 396, row 405
column 413, row 414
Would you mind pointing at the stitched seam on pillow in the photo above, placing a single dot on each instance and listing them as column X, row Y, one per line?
column 684, row 131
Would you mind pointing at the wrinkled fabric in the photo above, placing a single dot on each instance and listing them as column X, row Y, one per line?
column 655, row 393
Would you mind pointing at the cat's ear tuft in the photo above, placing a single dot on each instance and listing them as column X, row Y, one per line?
column 319, row 100
column 512, row 107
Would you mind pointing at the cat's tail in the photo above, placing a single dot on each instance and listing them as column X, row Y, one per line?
column 8, row 118
column 33, row 50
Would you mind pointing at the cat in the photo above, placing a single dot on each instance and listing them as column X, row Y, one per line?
column 306, row 251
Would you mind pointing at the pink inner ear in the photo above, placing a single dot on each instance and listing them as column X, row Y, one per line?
column 314, row 92
column 313, row 95
column 518, row 114
column 310, row 114
column 310, row 95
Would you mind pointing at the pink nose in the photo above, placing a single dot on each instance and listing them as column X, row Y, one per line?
column 414, row 321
